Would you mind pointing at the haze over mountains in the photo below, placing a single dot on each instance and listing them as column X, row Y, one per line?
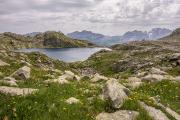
column 100, row 39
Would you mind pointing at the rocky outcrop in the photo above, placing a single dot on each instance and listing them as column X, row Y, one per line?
column 98, row 77
column 9, row 81
column 69, row 75
column 172, row 113
column 65, row 78
column 177, row 79
column 115, row 93
column 60, row 80
column 156, row 75
column 156, row 114
column 174, row 59
column 72, row 100
column 22, row 73
column 134, row 82
column 153, row 78
column 17, row 91
column 3, row 63
column 157, row 71
column 119, row 115
column 168, row 110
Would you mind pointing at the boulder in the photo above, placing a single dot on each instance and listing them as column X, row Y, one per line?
column 57, row 71
column 25, row 63
column 22, row 73
column 72, row 100
column 69, row 75
column 3, row 63
column 177, row 79
column 134, row 85
column 153, row 78
column 78, row 78
column 119, row 115
column 98, row 77
column 60, row 80
column 115, row 93
column 133, row 79
column 10, row 83
column 174, row 59
column 157, row 71
column 88, row 72
column 156, row 114
column 17, row 91
column 10, row 79
column 175, row 56
column 134, row 82
column 141, row 74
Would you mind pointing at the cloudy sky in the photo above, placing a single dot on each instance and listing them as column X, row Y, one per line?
column 111, row 17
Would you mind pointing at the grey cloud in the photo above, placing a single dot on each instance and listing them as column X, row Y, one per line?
column 68, row 15
column 15, row 6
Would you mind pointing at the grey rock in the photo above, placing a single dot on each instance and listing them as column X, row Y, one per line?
column 22, row 73
column 98, row 77
column 9, row 81
column 69, row 75
column 119, row 115
column 175, row 56
column 115, row 93
column 173, row 113
column 156, row 114
column 157, row 71
column 153, row 78
column 169, row 111
column 134, row 82
column 72, row 100
column 177, row 79
column 17, row 91
column 3, row 63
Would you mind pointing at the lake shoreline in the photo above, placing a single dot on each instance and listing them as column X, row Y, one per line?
column 67, row 55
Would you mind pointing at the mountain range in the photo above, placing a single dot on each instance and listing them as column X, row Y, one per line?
column 100, row 39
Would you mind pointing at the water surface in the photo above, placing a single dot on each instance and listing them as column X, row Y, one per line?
column 66, row 54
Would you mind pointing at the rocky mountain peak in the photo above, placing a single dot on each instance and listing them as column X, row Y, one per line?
column 177, row 31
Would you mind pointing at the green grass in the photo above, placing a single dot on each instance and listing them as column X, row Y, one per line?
column 8, row 70
column 174, row 71
column 49, row 103
column 103, row 62
column 166, row 91
column 132, row 104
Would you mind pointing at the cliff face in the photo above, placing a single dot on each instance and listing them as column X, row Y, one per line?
column 48, row 39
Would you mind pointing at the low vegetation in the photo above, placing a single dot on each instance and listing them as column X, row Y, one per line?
column 122, row 63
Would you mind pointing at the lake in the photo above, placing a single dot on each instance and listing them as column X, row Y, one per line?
column 66, row 54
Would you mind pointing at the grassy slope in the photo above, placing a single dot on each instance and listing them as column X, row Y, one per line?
column 49, row 102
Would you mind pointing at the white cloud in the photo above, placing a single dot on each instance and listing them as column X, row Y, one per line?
column 105, row 16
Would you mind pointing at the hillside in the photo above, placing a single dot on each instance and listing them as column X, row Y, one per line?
column 105, row 40
column 139, row 80
column 135, row 53
column 47, row 39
